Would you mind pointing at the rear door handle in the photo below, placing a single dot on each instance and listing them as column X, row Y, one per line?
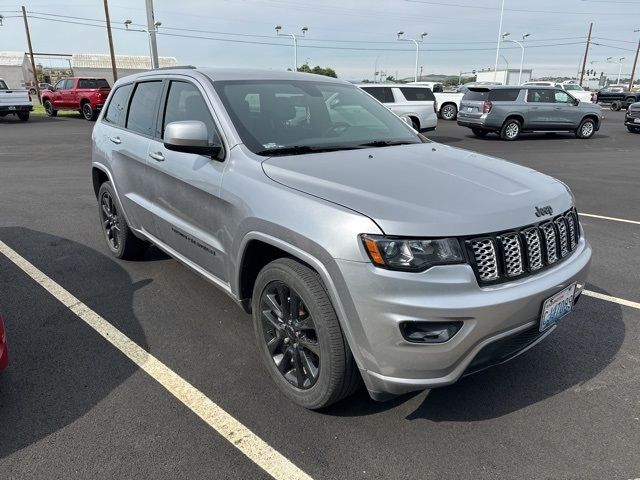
column 115, row 140
column 158, row 156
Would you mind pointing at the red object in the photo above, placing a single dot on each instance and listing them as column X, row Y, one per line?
column 4, row 352
column 486, row 106
column 72, row 93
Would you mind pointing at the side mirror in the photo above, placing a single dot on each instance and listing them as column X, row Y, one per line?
column 190, row 136
column 576, row 102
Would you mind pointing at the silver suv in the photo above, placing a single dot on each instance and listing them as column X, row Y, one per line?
column 364, row 251
column 509, row 111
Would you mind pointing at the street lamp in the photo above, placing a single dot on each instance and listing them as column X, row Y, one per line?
column 295, row 43
column 521, row 45
column 619, row 69
column 417, row 43
column 128, row 23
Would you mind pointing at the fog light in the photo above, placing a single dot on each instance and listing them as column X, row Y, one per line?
column 429, row 332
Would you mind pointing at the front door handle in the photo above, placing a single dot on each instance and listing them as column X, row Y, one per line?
column 158, row 156
column 115, row 140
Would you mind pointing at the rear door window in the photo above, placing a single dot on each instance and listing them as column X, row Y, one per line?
column 414, row 94
column 540, row 95
column 117, row 108
column 143, row 107
column 382, row 94
column 504, row 95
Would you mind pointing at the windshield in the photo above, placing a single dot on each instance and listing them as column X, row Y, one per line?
column 3, row 86
column 292, row 116
column 572, row 86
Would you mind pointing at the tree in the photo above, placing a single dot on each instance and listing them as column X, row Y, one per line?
column 318, row 70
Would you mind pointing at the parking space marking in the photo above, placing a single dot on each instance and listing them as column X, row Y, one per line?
column 609, row 298
column 256, row 449
column 615, row 219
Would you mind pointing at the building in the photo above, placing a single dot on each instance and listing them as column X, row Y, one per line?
column 505, row 77
column 99, row 65
column 15, row 69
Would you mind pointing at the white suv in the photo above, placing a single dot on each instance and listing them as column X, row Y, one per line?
column 413, row 102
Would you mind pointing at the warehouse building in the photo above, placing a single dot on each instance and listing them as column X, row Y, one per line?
column 14, row 68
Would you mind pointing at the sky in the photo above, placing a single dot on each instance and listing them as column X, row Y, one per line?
column 351, row 36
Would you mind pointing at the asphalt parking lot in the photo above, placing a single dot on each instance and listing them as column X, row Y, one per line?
column 73, row 406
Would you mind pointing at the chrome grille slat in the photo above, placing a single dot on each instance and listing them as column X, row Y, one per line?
column 562, row 231
column 549, row 235
column 486, row 262
column 524, row 250
column 513, row 262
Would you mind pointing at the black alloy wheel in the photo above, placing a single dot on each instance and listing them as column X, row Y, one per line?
column 290, row 335
column 110, row 221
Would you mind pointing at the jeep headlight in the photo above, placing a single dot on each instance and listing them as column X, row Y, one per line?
column 414, row 255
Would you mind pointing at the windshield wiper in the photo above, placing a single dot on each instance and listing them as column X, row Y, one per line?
column 385, row 143
column 302, row 149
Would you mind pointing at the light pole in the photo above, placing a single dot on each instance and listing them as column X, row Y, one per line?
column 375, row 69
column 635, row 62
column 521, row 45
column 495, row 69
column 619, row 69
column 156, row 25
column 295, row 43
column 417, row 43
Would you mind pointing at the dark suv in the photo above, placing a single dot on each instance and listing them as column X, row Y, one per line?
column 509, row 111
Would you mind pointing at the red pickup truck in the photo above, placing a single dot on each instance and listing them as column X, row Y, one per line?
column 86, row 95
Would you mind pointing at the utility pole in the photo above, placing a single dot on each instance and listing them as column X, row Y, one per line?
column 635, row 63
column 33, row 62
column 586, row 53
column 151, row 29
column 113, row 55
column 495, row 69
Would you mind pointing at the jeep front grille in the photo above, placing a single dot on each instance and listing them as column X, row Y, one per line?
column 507, row 255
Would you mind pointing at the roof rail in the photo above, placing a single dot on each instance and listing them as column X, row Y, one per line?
column 178, row 67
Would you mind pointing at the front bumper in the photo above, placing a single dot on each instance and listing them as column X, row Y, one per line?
column 630, row 121
column 382, row 299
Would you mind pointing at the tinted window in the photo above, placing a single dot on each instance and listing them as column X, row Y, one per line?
column 142, row 108
column 3, row 86
column 382, row 94
column 476, row 95
column 184, row 102
column 61, row 84
column 572, row 86
column 504, row 95
column 414, row 94
column 541, row 96
column 117, row 109
column 93, row 83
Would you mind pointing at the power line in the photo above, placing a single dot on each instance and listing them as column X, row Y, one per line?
column 520, row 10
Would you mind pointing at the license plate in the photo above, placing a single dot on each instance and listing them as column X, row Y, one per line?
column 12, row 108
column 557, row 306
column 636, row 120
column 469, row 109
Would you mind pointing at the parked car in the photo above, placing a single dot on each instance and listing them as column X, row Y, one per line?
column 434, row 86
column 14, row 102
column 465, row 88
column 417, row 103
column 573, row 88
column 361, row 248
column 617, row 97
column 42, row 86
column 632, row 118
column 448, row 104
column 4, row 350
column 510, row 111
column 86, row 95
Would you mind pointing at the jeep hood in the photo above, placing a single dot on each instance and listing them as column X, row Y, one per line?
column 424, row 189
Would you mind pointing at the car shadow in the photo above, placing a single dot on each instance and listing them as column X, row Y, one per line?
column 60, row 368
column 551, row 136
column 584, row 344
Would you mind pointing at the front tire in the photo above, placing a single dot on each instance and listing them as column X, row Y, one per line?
column 449, row 111
column 23, row 116
column 88, row 112
column 299, row 337
column 616, row 106
column 586, row 129
column 510, row 130
column 48, row 108
column 121, row 241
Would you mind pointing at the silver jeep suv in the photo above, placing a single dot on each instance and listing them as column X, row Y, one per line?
column 362, row 250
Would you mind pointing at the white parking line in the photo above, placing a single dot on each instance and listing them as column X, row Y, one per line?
column 265, row 456
column 615, row 219
column 609, row 298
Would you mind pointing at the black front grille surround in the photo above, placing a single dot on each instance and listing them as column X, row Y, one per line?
column 516, row 253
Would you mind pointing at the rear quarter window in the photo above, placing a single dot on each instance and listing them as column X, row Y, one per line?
column 413, row 94
column 504, row 95
column 382, row 94
column 117, row 108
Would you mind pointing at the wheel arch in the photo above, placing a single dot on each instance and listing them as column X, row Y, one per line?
column 516, row 116
column 593, row 117
column 99, row 175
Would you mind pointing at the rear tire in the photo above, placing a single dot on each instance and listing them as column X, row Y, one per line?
column 299, row 336
column 23, row 116
column 88, row 112
column 586, row 129
column 48, row 108
column 633, row 129
column 616, row 106
column 510, row 130
column 479, row 132
column 121, row 241
column 449, row 111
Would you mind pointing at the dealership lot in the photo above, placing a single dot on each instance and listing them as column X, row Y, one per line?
column 73, row 404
